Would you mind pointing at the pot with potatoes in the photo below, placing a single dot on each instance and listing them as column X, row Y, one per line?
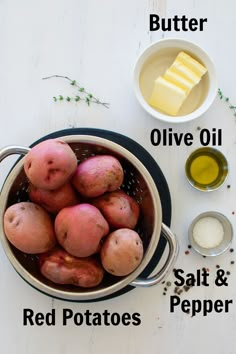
column 81, row 218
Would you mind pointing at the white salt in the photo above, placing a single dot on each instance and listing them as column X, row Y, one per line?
column 208, row 232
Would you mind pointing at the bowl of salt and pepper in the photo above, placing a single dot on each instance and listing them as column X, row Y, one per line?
column 210, row 233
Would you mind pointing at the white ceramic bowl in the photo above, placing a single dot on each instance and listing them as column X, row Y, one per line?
column 227, row 238
column 153, row 62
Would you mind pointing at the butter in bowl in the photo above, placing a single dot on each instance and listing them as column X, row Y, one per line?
column 171, row 90
column 175, row 80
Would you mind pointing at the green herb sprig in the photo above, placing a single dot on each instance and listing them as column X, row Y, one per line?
column 82, row 95
column 226, row 99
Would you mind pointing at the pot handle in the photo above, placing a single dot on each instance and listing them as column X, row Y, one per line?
column 11, row 150
column 173, row 252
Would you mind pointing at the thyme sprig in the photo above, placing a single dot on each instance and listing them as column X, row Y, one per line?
column 226, row 99
column 83, row 94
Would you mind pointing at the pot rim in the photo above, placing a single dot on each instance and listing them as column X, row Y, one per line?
column 91, row 294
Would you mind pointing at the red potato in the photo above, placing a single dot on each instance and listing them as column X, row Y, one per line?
column 62, row 268
column 119, row 209
column 97, row 175
column 50, row 164
column 80, row 228
column 122, row 252
column 29, row 228
column 54, row 200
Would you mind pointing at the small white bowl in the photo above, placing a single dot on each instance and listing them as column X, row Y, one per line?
column 227, row 238
column 154, row 61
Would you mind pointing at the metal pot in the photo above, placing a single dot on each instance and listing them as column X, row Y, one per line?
column 137, row 182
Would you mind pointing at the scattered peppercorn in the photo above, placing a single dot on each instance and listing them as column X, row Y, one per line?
column 186, row 288
column 231, row 250
column 189, row 246
column 198, row 128
column 228, row 273
column 233, row 212
column 168, row 283
column 217, row 266
column 165, row 289
column 232, row 262
column 228, row 186
column 164, row 293
column 204, row 256
column 163, row 282
column 186, row 252
column 176, row 290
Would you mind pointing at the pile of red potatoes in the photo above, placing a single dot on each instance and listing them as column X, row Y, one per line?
column 78, row 220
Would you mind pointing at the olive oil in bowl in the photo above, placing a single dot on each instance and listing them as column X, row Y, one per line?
column 206, row 169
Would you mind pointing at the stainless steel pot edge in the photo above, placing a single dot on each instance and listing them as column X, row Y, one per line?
column 13, row 150
column 171, row 258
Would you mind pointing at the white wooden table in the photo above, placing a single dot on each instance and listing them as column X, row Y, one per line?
column 96, row 43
